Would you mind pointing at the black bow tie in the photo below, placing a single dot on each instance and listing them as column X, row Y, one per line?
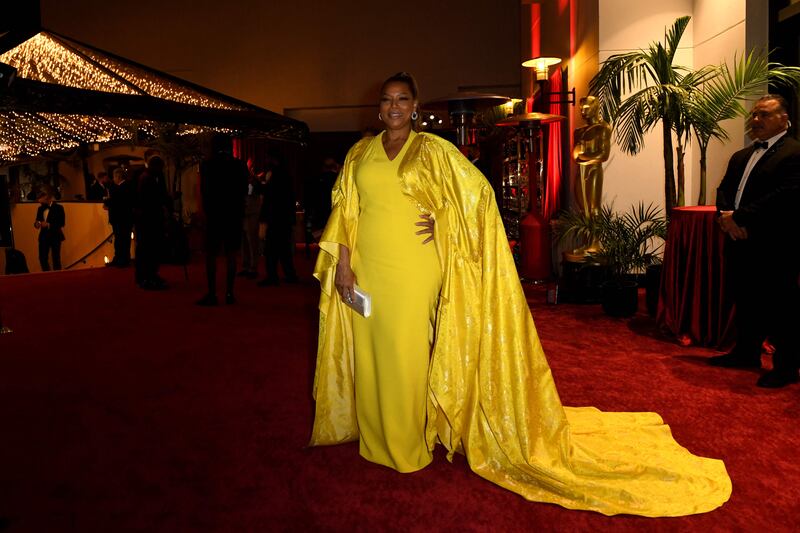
column 761, row 144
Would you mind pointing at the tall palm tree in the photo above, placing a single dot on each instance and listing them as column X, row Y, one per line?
column 682, row 123
column 720, row 98
column 659, row 97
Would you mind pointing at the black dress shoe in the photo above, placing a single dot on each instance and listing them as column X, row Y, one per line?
column 208, row 300
column 229, row 298
column 775, row 379
column 734, row 360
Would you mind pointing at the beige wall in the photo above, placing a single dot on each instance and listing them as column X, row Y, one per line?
column 719, row 37
column 627, row 26
column 719, row 31
column 86, row 227
column 283, row 54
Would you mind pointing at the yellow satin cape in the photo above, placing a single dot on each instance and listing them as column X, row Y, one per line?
column 491, row 395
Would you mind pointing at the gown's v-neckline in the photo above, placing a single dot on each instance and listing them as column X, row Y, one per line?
column 383, row 148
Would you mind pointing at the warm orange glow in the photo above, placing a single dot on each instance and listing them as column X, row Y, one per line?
column 87, row 225
column 541, row 65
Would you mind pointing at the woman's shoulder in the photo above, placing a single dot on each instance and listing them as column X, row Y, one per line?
column 432, row 141
column 441, row 148
column 358, row 148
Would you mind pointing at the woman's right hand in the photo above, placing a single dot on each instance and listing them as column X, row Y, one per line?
column 344, row 281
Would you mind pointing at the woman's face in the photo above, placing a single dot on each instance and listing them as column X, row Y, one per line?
column 397, row 104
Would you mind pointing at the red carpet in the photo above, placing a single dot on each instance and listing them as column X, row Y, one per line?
column 124, row 410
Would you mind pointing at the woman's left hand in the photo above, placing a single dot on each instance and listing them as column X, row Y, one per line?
column 427, row 228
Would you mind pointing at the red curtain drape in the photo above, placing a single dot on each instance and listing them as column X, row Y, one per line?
column 245, row 149
column 553, row 171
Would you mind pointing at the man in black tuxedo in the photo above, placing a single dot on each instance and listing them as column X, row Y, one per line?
column 120, row 215
column 50, row 220
column 757, row 203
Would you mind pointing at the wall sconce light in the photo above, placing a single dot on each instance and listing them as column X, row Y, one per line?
column 541, row 65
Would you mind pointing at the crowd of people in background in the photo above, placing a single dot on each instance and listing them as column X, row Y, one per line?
column 248, row 212
column 245, row 212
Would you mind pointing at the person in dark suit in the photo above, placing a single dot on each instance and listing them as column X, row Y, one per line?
column 150, row 213
column 120, row 216
column 757, row 202
column 98, row 190
column 50, row 221
column 279, row 212
column 223, row 187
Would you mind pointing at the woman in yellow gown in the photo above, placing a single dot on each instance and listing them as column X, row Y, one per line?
column 451, row 355
column 392, row 346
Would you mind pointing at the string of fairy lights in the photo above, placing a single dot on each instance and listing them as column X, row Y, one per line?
column 50, row 59
column 25, row 134
column 157, row 86
column 44, row 59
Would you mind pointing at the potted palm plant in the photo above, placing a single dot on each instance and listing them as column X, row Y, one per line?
column 643, row 89
column 630, row 242
column 720, row 98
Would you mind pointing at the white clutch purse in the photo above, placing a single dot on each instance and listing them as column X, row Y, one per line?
column 362, row 303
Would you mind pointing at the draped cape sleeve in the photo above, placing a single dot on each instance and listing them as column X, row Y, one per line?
column 491, row 394
column 334, row 391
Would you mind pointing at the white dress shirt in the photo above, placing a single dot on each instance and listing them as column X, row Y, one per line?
column 758, row 153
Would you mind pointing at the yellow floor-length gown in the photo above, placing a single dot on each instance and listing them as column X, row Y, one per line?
column 490, row 393
column 392, row 346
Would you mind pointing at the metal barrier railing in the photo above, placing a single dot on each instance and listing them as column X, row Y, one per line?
column 108, row 239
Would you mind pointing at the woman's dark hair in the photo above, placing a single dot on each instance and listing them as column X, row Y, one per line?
column 403, row 77
column 408, row 79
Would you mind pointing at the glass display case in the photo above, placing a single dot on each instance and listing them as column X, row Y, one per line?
column 515, row 190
